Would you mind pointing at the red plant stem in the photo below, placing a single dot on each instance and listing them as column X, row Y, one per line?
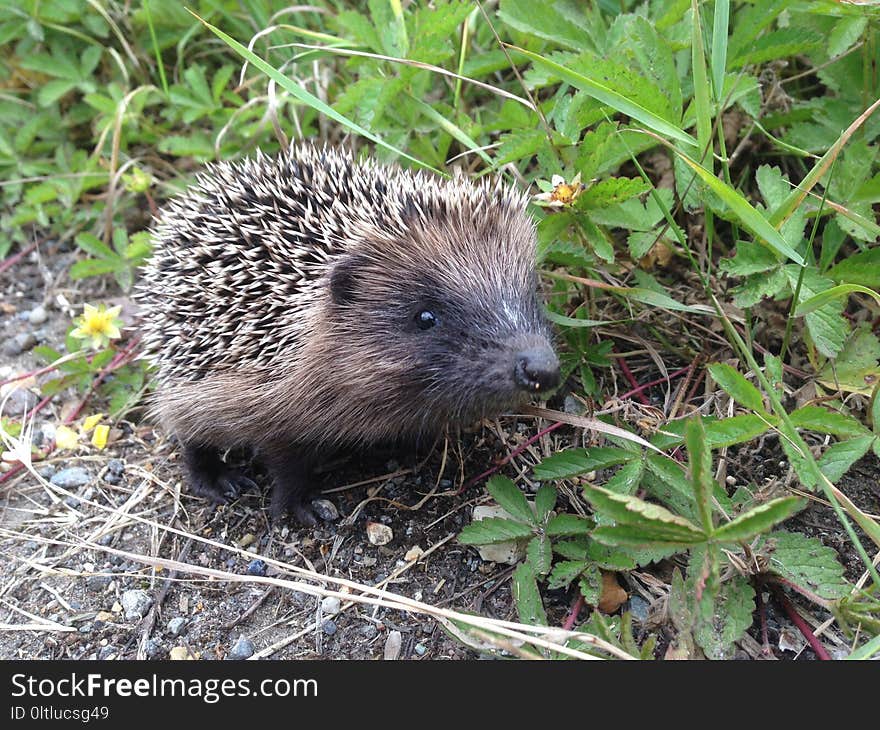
column 571, row 619
column 512, row 455
column 14, row 259
column 627, row 373
column 34, row 373
column 762, row 612
column 802, row 625
column 11, row 473
column 669, row 377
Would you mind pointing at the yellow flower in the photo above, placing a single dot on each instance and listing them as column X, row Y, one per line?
column 559, row 193
column 98, row 324
column 65, row 438
column 92, row 421
column 99, row 437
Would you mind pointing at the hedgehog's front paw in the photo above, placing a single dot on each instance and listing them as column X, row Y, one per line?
column 210, row 477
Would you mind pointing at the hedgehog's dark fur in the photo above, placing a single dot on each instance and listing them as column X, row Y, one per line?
column 284, row 307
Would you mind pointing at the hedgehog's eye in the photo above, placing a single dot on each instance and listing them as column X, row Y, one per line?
column 426, row 319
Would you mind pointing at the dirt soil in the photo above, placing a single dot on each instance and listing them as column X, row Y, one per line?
column 72, row 581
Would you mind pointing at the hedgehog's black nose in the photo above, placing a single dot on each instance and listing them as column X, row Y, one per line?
column 536, row 369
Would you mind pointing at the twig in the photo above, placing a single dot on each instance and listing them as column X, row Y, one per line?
column 571, row 619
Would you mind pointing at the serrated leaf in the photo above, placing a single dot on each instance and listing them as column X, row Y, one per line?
column 856, row 369
column 736, row 386
column 545, row 501
column 627, row 510
column 590, row 585
column 757, row 520
column 526, row 596
column 539, row 555
column 513, row 501
column 636, row 537
column 737, row 429
column 838, row 458
column 825, row 420
column 806, row 562
column 611, row 191
column 626, row 480
column 860, row 268
column 841, row 291
column 731, row 616
column 564, row 572
column 609, row 97
column 573, row 462
column 566, row 524
column 492, row 530
column 750, row 258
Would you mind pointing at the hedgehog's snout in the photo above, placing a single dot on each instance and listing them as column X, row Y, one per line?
column 536, row 369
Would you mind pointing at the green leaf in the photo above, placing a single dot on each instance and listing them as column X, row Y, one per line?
column 492, row 530
column 839, row 457
column 611, row 191
column 841, row 291
column 737, row 429
column 701, row 469
column 736, row 386
column 806, row 562
column 861, row 268
column 95, row 246
column 750, row 258
column 590, row 585
column 731, row 616
column 564, row 572
column 748, row 215
column 757, row 520
column 545, row 501
column 513, row 501
column 857, row 368
column 92, row 267
column 573, row 462
column 539, row 554
column 824, row 420
column 527, row 597
column 627, row 510
column 566, row 524
column 304, row 96
column 645, row 539
column 611, row 98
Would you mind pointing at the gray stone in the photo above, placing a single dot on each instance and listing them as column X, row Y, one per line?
column 369, row 631
column 135, row 603
column 175, row 625
column 330, row 605
column 106, row 652
column 325, row 509
column 243, row 649
column 420, row 649
column 152, row 648
column 38, row 315
column 19, row 344
column 638, row 607
column 98, row 583
column 115, row 466
column 329, row 627
column 71, row 478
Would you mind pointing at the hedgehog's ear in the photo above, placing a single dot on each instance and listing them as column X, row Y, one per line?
column 343, row 280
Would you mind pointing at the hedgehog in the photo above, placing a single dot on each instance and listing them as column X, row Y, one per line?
column 306, row 303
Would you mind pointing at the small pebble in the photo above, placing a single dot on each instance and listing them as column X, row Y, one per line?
column 325, row 509
column 98, row 583
column 180, row 653
column 243, row 649
column 71, row 478
column 175, row 625
column 379, row 534
column 392, row 645
column 115, row 466
column 329, row 627
column 47, row 471
column 369, row 631
column 152, row 648
column 257, row 567
column 330, row 605
column 638, row 607
column 106, row 652
column 112, row 478
column 38, row 315
column 19, row 344
column 136, row 603
column 420, row 649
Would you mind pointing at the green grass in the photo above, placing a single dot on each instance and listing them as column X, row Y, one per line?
column 730, row 158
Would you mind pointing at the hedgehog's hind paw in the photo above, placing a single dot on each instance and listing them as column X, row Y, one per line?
column 292, row 484
column 210, row 476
